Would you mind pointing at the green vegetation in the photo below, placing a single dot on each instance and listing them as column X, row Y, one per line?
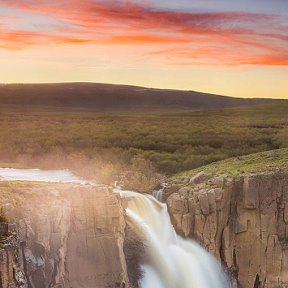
column 258, row 162
column 107, row 145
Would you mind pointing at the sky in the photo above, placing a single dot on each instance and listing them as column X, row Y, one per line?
column 235, row 48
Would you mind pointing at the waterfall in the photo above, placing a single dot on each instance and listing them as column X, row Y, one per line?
column 158, row 194
column 173, row 262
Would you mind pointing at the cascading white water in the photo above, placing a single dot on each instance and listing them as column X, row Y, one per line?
column 158, row 194
column 173, row 262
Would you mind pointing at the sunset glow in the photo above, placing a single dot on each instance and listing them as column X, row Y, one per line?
column 236, row 49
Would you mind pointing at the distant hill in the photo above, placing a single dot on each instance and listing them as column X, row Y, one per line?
column 116, row 98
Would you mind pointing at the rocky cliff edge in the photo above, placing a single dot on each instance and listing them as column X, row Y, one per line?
column 238, row 210
column 64, row 235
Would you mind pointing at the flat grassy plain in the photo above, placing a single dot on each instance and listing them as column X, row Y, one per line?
column 139, row 146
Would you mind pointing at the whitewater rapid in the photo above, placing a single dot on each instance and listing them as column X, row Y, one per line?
column 158, row 194
column 173, row 262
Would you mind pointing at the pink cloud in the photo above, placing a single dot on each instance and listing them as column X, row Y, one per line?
column 230, row 38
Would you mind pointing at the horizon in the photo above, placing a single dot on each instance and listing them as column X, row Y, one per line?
column 232, row 49
column 137, row 86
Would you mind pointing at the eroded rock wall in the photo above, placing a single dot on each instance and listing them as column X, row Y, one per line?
column 67, row 235
column 242, row 220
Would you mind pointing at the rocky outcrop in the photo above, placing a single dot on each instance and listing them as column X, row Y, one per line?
column 242, row 219
column 65, row 236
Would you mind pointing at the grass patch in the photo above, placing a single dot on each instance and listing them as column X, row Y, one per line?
column 254, row 163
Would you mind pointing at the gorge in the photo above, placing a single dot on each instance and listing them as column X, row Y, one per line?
column 77, row 234
column 144, row 212
column 171, row 261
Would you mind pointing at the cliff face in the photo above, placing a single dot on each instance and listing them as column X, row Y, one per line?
column 65, row 236
column 242, row 219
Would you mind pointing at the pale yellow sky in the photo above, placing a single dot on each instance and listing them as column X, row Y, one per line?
column 69, row 63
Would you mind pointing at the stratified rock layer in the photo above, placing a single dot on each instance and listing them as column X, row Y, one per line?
column 242, row 220
column 66, row 236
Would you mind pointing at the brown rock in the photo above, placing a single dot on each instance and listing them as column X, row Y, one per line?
column 71, row 237
column 204, row 203
column 198, row 178
column 250, row 193
column 286, row 213
column 241, row 224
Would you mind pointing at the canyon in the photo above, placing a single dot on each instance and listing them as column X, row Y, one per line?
column 76, row 234
column 238, row 210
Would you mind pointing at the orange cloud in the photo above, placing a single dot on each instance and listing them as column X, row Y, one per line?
column 145, row 38
column 220, row 56
column 20, row 39
column 228, row 38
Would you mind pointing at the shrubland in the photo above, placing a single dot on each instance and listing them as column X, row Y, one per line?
column 136, row 147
